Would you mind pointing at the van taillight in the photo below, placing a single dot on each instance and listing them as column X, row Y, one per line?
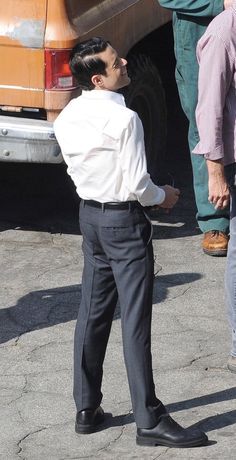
column 57, row 71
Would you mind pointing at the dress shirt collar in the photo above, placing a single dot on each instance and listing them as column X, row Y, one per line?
column 99, row 94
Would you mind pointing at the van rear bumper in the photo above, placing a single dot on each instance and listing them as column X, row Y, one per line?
column 28, row 140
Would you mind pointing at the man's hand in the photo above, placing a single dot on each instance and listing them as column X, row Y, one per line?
column 227, row 3
column 171, row 198
column 218, row 188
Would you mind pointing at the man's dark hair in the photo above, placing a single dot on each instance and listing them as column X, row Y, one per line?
column 83, row 62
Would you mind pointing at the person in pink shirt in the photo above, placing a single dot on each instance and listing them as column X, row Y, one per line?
column 216, row 122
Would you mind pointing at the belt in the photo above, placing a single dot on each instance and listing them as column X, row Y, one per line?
column 115, row 205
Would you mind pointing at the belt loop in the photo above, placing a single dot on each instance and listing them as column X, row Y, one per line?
column 83, row 203
column 103, row 207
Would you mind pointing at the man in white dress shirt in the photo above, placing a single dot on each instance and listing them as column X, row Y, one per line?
column 102, row 143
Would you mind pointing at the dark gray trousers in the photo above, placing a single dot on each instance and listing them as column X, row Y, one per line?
column 118, row 262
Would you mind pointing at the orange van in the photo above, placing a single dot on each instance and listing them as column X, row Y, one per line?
column 36, row 37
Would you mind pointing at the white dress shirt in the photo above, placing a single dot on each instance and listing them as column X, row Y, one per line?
column 102, row 143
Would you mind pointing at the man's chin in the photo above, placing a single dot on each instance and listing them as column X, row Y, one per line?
column 126, row 82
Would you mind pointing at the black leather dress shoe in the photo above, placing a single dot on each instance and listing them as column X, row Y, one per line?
column 87, row 420
column 169, row 433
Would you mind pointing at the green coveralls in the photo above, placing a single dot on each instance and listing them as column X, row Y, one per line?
column 190, row 19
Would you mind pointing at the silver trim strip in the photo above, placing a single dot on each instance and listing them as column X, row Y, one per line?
column 20, row 87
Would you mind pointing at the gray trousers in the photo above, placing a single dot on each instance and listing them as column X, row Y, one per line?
column 230, row 276
column 118, row 263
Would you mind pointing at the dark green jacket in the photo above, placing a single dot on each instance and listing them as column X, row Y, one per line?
column 190, row 20
column 194, row 8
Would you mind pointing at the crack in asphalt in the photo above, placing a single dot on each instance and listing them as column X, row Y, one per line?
column 24, row 438
column 105, row 448
column 162, row 454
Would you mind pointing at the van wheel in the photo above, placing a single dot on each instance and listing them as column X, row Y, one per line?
column 145, row 95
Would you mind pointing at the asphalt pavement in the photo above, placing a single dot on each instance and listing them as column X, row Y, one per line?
column 40, row 292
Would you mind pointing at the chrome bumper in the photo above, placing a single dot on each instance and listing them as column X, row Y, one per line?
column 28, row 140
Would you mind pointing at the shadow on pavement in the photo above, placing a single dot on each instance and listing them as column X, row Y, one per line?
column 219, row 396
column 41, row 309
column 208, row 424
column 213, row 422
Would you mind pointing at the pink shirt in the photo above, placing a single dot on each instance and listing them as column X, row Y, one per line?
column 216, row 109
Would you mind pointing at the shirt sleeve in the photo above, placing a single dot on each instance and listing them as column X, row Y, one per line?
column 134, row 167
column 215, row 76
column 200, row 8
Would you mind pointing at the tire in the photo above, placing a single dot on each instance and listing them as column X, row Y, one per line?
column 145, row 95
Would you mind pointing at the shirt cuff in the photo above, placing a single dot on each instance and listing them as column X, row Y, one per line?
column 210, row 154
column 153, row 198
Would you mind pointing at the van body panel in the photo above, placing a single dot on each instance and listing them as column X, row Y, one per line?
column 106, row 18
column 22, row 85
column 60, row 32
column 22, row 23
column 22, row 29
column 139, row 19
column 21, row 98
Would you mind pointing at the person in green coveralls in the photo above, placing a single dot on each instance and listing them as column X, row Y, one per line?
column 190, row 20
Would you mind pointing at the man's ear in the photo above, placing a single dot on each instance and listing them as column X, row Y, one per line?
column 97, row 81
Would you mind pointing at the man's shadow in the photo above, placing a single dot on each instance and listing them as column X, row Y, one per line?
column 46, row 308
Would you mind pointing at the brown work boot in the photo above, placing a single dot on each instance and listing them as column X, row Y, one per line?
column 232, row 364
column 215, row 243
